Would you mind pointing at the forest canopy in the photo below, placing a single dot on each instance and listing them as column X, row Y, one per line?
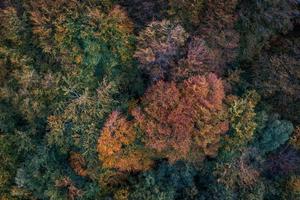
column 149, row 100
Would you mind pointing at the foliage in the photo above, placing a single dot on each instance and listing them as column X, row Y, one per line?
column 261, row 21
column 274, row 135
column 184, row 121
column 293, row 186
column 142, row 12
column 149, row 99
column 242, row 118
column 158, row 46
column 188, row 12
column 240, row 171
column 276, row 76
column 200, row 60
column 116, row 146
column 285, row 162
column 165, row 183
column 295, row 139
column 218, row 30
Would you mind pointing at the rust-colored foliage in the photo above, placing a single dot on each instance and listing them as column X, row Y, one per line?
column 73, row 191
column 165, row 123
column 205, row 96
column 77, row 163
column 182, row 120
column 116, row 146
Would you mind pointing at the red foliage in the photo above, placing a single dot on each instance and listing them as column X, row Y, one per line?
column 165, row 123
column 181, row 119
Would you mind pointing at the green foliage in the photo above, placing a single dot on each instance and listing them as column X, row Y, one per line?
column 167, row 182
column 274, row 135
column 40, row 173
column 13, row 150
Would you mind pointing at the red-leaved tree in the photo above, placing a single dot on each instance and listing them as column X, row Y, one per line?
column 183, row 121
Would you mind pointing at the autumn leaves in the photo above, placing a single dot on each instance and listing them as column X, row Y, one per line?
column 182, row 121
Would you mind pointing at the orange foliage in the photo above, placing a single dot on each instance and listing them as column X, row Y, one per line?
column 116, row 146
column 77, row 163
column 181, row 120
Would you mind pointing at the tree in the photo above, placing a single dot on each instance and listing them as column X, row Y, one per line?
column 200, row 60
column 261, row 21
column 218, row 30
column 158, row 46
column 242, row 120
column 117, row 148
column 188, row 12
column 295, row 139
column 167, row 182
column 274, row 135
column 142, row 12
column 184, row 121
column 276, row 76
column 78, row 163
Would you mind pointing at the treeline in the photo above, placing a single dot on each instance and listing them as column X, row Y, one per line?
column 149, row 99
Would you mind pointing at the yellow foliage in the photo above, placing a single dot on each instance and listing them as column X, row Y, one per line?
column 121, row 194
